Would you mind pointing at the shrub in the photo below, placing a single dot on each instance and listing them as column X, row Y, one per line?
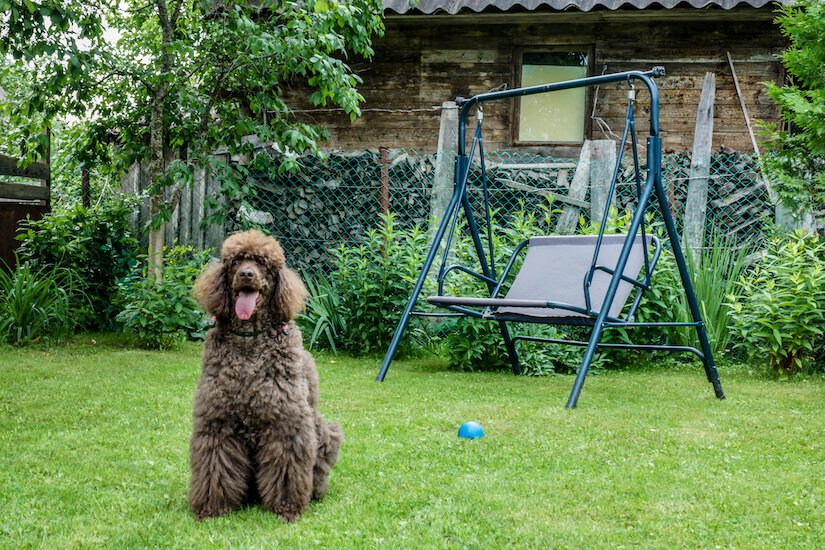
column 98, row 244
column 323, row 320
column 778, row 313
column 36, row 302
column 477, row 345
column 374, row 282
column 714, row 276
column 163, row 315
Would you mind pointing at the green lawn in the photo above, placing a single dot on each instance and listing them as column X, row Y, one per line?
column 94, row 454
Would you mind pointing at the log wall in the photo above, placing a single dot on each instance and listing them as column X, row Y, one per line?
column 424, row 61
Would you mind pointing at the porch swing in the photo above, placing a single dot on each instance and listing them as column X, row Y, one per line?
column 595, row 281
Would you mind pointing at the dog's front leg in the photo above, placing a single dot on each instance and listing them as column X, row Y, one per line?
column 285, row 463
column 220, row 473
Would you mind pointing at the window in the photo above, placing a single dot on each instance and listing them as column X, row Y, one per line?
column 557, row 117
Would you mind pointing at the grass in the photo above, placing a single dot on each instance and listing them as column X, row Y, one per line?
column 94, row 454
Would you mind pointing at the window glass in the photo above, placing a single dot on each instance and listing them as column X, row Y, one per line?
column 556, row 117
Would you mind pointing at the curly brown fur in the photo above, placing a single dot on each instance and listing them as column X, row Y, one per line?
column 257, row 434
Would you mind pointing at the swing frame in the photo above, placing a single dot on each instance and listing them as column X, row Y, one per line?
column 598, row 320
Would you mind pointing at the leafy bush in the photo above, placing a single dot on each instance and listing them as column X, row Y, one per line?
column 98, row 244
column 374, row 282
column 778, row 313
column 795, row 159
column 36, row 302
column 323, row 320
column 477, row 345
column 164, row 315
column 714, row 277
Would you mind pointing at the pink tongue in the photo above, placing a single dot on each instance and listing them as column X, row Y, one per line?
column 245, row 305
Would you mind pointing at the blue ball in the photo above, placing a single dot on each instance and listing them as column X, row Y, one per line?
column 471, row 430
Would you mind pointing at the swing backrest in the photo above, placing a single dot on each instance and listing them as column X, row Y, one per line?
column 555, row 269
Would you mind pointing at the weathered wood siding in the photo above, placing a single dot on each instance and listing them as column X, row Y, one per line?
column 424, row 61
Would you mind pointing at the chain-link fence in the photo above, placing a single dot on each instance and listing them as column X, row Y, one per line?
column 336, row 200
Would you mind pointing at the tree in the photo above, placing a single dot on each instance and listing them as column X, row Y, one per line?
column 796, row 160
column 179, row 79
column 54, row 35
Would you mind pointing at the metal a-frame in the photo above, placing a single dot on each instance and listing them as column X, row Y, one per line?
column 599, row 320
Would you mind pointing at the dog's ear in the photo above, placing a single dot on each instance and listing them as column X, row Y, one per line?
column 289, row 294
column 212, row 290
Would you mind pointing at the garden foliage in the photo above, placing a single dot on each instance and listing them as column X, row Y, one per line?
column 323, row 321
column 98, row 245
column 363, row 301
column 168, row 84
column 37, row 303
column 374, row 281
column 779, row 312
column 162, row 316
column 714, row 273
column 796, row 160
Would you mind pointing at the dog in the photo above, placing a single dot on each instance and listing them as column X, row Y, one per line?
column 257, row 435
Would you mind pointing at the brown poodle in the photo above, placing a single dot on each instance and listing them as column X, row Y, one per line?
column 257, row 434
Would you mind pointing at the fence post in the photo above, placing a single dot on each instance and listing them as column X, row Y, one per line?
column 696, row 203
column 198, row 197
column 602, row 163
column 577, row 191
column 384, row 162
column 85, row 188
column 444, row 172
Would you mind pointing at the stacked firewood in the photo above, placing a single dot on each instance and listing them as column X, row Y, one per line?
column 335, row 200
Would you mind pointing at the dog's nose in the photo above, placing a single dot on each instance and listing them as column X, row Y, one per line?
column 246, row 273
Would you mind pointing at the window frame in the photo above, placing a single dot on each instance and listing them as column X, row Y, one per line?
column 518, row 57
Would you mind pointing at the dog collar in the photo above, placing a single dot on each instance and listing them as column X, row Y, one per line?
column 283, row 329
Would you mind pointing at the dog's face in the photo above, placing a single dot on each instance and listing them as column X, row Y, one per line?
column 251, row 282
column 249, row 286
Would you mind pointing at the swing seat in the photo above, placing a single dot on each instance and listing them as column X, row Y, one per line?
column 552, row 283
column 592, row 280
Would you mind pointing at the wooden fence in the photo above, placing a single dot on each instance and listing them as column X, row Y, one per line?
column 185, row 226
column 27, row 197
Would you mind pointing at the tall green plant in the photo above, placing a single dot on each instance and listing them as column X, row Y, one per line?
column 162, row 316
column 323, row 320
column 98, row 244
column 178, row 80
column 36, row 302
column 715, row 273
column 796, row 157
column 778, row 312
column 374, row 280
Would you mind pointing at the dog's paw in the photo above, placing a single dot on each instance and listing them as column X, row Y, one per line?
column 290, row 514
column 206, row 513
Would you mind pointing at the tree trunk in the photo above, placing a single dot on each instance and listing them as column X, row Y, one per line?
column 157, row 156
column 157, row 229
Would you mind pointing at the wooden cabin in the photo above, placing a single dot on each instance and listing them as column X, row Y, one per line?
column 436, row 50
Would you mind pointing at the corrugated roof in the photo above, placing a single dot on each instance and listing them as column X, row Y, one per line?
column 430, row 7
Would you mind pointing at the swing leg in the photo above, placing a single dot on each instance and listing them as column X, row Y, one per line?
column 584, row 366
column 693, row 303
column 654, row 154
column 511, row 348
column 422, row 277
